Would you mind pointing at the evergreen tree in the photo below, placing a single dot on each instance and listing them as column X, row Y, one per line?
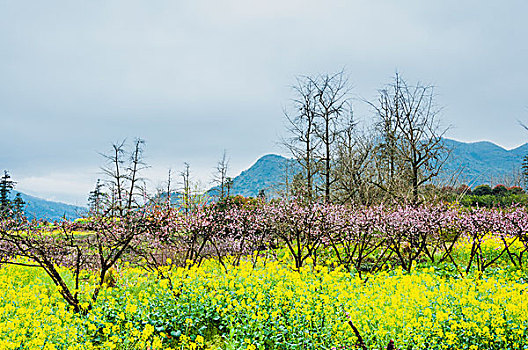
column 525, row 172
column 6, row 185
column 95, row 200
column 18, row 205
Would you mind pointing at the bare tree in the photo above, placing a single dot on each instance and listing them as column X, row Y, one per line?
column 186, row 183
column 524, row 166
column 302, row 142
column 168, row 190
column 123, row 175
column 353, row 168
column 136, row 165
column 411, row 150
column 314, row 125
column 220, row 178
column 332, row 105
column 108, row 241
column 387, row 161
column 116, row 176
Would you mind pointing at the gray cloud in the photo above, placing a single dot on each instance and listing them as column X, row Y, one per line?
column 196, row 77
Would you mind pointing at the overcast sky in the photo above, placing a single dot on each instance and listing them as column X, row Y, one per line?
column 196, row 77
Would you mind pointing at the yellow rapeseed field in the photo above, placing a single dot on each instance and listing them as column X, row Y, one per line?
column 266, row 306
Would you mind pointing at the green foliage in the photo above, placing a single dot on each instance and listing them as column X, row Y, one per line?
column 6, row 185
column 9, row 207
column 490, row 200
column 482, row 190
column 500, row 190
column 484, row 196
column 237, row 201
column 495, row 201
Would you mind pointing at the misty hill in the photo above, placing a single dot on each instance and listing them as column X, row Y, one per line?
column 38, row 208
column 267, row 174
column 483, row 162
column 472, row 163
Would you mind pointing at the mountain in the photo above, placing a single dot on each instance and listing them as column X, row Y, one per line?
column 521, row 151
column 38, row 208
column 473, row 163
column 482, row 162
column 267, row 174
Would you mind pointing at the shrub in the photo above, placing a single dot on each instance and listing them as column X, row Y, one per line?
column 516, row 190
column 482, row 190
column 500, row 190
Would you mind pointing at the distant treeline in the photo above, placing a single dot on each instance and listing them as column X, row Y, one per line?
column 485, row 195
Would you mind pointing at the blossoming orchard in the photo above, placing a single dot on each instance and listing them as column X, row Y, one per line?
column 268, row 275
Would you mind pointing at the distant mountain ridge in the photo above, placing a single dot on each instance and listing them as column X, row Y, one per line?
column 41, row 209
column 472, row 163
column 483, row 162
column 267, row 174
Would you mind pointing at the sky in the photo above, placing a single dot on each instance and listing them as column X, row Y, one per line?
column 194, row 78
